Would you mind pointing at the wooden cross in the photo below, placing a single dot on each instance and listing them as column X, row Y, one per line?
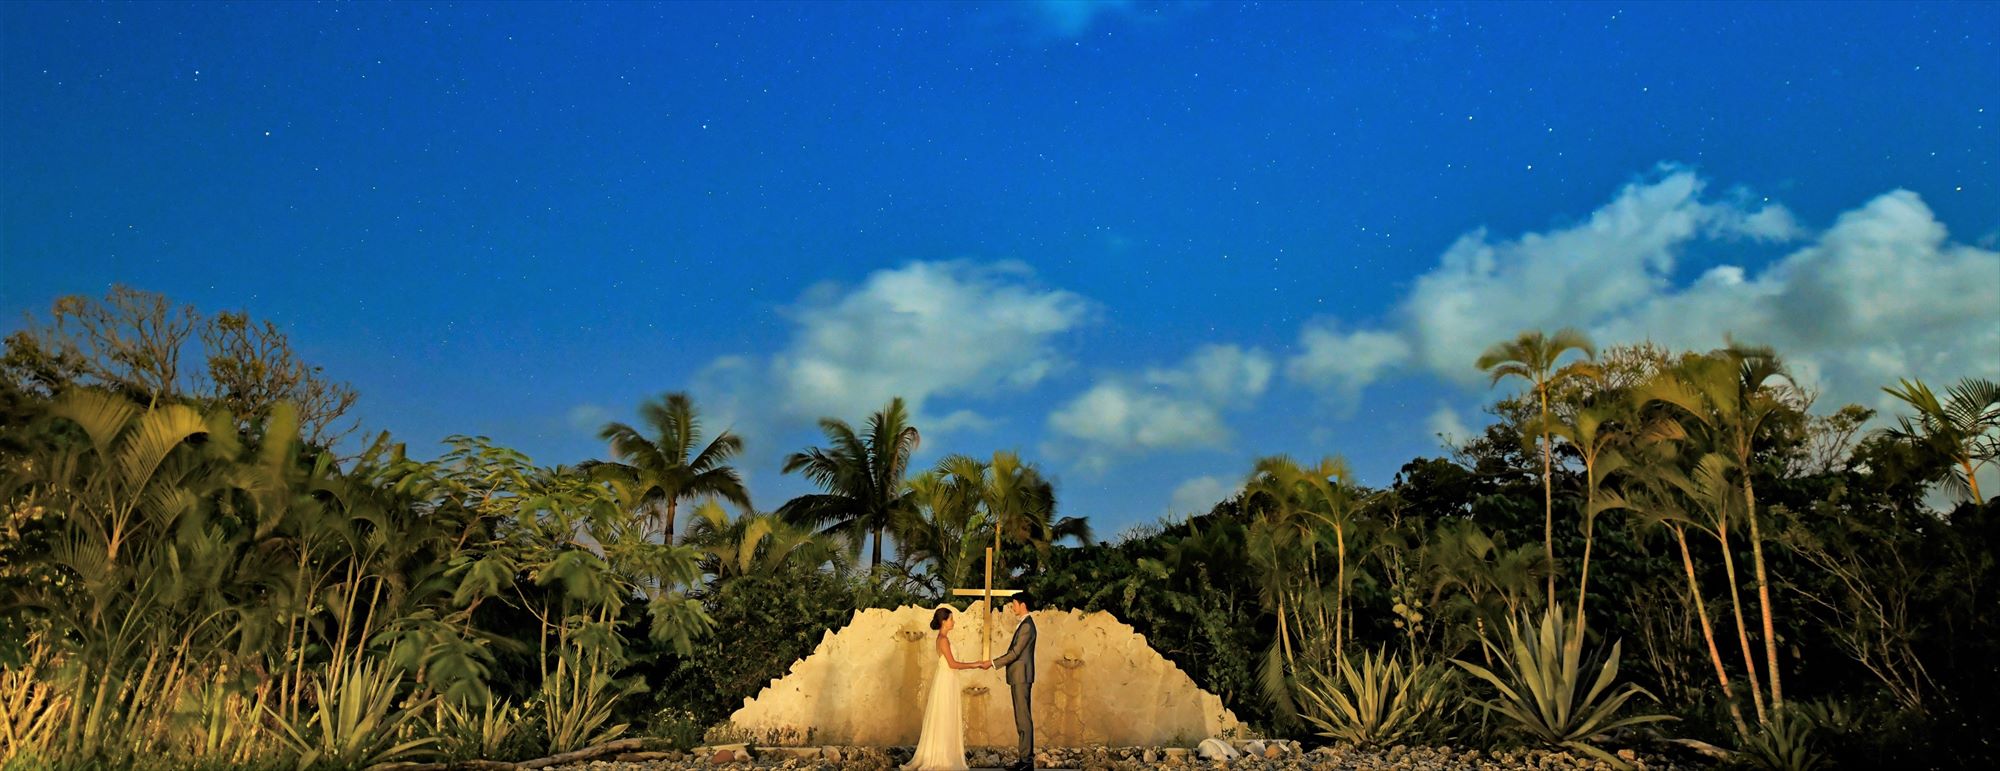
column 986, row 605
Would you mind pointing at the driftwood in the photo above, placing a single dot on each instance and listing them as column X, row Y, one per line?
column 1703, row 748
column 628, row 746
column 641, row 757
column 461, row 765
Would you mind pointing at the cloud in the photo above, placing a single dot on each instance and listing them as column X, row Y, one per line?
column 1161, row 408
column 1200, row 494
column 587, row 418
column 1622, row 255
column 1882, row 293
column 922, row 331
column 1072, row 18
column 1445, row 424
column 1341, row 364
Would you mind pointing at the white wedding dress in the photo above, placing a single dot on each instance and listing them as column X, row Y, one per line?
column 941, row 745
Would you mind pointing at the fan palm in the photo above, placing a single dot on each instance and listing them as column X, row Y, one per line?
column 654, row 474
column 1964, row 427
column 1532, row 356
column 861, row 476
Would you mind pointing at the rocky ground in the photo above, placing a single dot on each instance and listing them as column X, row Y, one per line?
column 1248, row 756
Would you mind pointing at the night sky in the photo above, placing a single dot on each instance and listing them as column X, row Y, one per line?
column 1140, row 243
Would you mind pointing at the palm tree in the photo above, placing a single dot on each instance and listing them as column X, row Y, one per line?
column 756, row 544
column 1281, row 527
column 1463, row 556
column 1658, row 498
column 1596, row 434
column 653, row 475
column 1532, row 356
column 944, row 525
column 1723, row 399
column 1324, row 498
column 862, row 476
column 1019, row 503
column 1961, row 428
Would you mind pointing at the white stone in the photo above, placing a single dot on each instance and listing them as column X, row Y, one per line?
column 1097, row 683
column 1216, row 749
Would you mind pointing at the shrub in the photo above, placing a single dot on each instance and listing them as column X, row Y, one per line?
column 1541, row 688
column 1383, row 701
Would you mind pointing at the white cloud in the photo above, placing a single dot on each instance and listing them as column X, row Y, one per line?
column 1622, row 255
column 922, row 331
column 1881, row 294
column 1200, row 494
column 1445, row 424
column 1161, row 408
column 588, row 418
column 1070, row 18
column 1341, row 364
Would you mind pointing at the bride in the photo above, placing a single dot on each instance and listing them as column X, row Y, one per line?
column 941, row 746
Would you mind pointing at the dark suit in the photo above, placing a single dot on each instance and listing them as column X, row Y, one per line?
column 1020, row 663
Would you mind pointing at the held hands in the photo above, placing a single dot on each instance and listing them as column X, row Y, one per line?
column 987, row 664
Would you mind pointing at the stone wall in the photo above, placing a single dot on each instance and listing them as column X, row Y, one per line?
column 1097, row 683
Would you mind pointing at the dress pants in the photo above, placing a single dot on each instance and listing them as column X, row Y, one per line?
column 1024, row 720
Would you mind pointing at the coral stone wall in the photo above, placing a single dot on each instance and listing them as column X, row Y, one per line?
column 1097, row 683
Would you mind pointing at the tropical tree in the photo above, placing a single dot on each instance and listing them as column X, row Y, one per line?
column 861, row 474
column 1282, row 537
column 1019, row 504
column 653, row 475
column 1662, row 496
column 1963, row 428
column 754, row 543
column 1725, row 401
column 1596, row 433
column 1309, row 503
column 1533, row 356
column 1489, row 583
column 944, row 526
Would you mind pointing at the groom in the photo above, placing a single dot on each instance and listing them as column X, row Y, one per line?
column 1020, row 663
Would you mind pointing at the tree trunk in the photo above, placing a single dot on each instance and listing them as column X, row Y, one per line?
column 1763, row 594
column 1548, row 501
column 1583, row 584
column 667, row 537
column 1973, row 480
column 1340, row 592
column 1742, row 629
column 1708, row 634
column 875, row 559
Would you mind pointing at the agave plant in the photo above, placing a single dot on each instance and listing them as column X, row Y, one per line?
column 1383, row 701
column 576, row 704
column 1783, row 743
column 481, row 730
column 356, row 720
column 1542, row 688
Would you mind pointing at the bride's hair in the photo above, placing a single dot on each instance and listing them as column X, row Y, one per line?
column 937, row 619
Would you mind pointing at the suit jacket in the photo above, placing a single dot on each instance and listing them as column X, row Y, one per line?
column 1020, row 656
